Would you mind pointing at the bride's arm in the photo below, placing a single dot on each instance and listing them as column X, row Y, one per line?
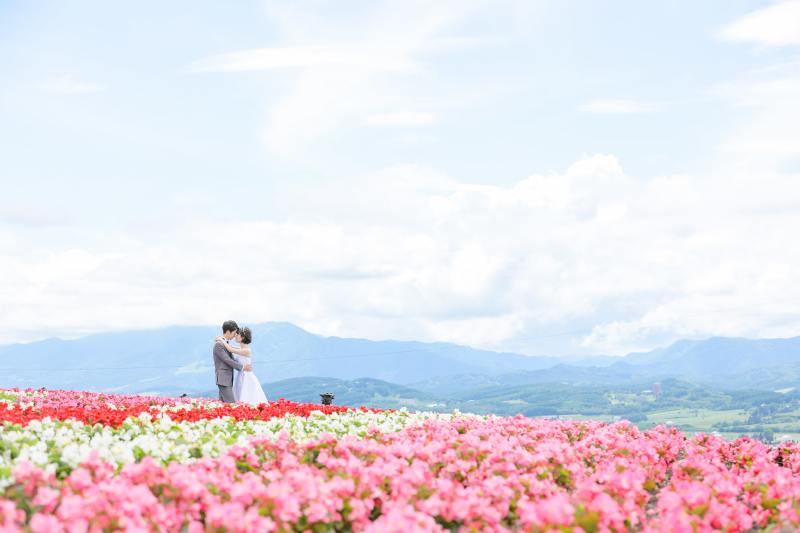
column 231, row 349
column 240, row 351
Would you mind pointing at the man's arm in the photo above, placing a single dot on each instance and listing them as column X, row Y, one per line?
column 223, row 357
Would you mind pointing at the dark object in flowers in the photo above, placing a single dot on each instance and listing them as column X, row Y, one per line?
column 327, row 398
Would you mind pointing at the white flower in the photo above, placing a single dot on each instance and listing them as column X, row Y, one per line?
column 164, row 439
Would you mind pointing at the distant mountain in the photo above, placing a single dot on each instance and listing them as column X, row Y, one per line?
column 559, row 373
column 177, row 359
column 723, row 361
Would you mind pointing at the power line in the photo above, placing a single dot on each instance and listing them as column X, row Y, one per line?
column 164, row 367
column 276, row 362
column 288, row 361
column 88, row 368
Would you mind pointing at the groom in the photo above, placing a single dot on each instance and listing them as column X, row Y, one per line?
column 224, row 363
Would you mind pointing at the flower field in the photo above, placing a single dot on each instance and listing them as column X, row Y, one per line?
column 73, row 461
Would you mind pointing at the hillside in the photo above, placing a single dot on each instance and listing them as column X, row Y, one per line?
column 358, row 392
column 177, row 360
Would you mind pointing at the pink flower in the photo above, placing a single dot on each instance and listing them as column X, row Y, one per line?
column 492, row 474
column 47, row 499
column 45, row 523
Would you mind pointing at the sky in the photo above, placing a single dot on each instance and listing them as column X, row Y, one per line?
column 542, row 177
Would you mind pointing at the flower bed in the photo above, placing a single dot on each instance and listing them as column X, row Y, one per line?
column 113, row 410
column 59, row 446
column 358, row 470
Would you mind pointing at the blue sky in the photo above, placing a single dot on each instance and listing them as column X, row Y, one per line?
column 488, row 173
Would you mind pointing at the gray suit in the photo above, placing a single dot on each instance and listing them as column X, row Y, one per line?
column 224, row 363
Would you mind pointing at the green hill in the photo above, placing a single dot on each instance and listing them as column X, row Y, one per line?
column 365, row 392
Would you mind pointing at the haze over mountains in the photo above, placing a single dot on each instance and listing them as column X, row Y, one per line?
column 177, row 360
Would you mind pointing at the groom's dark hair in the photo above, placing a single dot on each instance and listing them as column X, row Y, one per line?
column 229, row 325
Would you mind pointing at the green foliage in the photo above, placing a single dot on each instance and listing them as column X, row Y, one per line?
column 688, row 406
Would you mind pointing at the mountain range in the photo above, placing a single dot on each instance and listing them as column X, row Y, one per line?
column 177, row 360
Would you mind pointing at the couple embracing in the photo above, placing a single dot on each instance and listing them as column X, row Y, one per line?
column 244, row 386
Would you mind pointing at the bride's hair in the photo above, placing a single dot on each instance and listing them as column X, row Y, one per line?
column 247, row 335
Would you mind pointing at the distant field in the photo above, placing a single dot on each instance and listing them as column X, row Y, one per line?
column 696, row 419
column 692, row 421
column 601, row 418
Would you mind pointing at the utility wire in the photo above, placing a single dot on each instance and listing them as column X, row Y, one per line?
column 164, row 367
column 279, row 361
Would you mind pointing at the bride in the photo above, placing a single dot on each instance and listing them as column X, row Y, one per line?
column 246, row 387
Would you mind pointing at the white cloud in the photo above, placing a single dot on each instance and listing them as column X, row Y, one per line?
column 342, row 77
column 643, row 261
column 619, row 107
column 28, row 215
column 776, row 25
column 416, row 139
column 406, row 118
column 70, row 86
column 341, row 56
column 410, row 252
column 766, row 139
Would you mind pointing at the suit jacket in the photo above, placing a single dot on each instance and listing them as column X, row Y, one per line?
column 224, row 363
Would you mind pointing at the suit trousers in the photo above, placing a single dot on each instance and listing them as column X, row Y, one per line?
column 226, row 394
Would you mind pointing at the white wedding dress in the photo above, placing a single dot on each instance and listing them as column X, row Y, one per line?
column 246, row 388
